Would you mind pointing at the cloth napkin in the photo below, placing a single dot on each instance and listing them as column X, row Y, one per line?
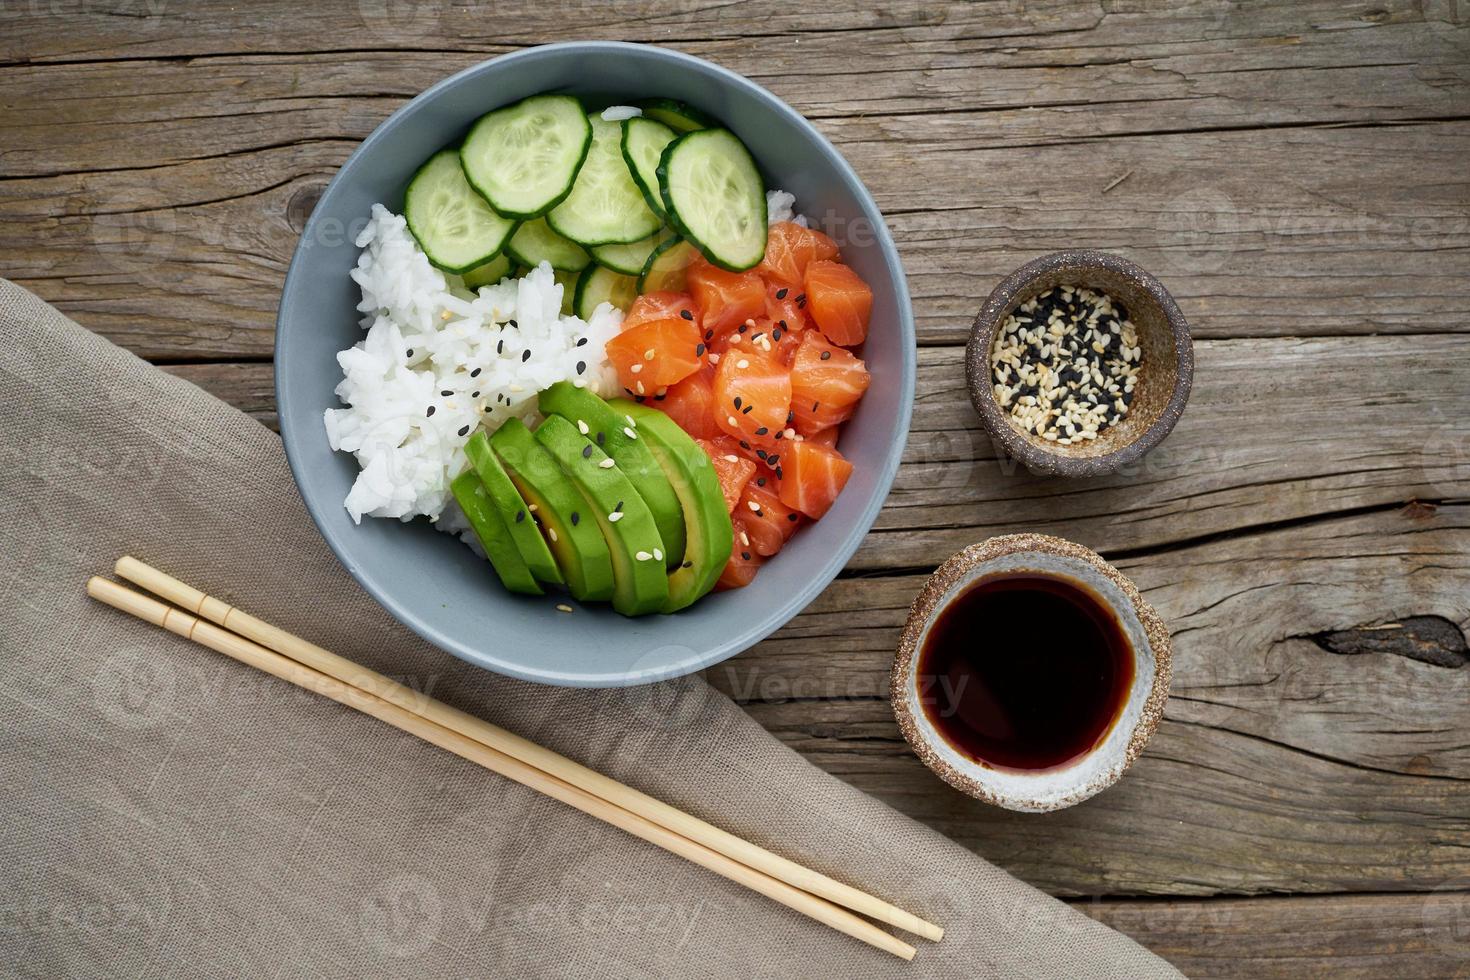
column 169, row 812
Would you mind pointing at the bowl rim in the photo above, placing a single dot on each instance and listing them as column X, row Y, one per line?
column 982, row 337
column 293, row 431
column 943, row 587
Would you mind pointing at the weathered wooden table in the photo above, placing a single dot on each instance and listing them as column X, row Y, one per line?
column 1298, row 175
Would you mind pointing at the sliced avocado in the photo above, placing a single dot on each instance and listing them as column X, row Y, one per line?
column 640, row 583
column 709, row 534
column 616, row 433
column 573, row 535
column 483, row 516
column 520, row 520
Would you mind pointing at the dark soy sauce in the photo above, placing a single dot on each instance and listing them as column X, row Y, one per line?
column 1025, row 672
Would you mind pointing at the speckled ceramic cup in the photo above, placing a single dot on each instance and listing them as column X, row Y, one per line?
column 1049, row 789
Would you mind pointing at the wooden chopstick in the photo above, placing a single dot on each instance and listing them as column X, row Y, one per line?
column 681, row 823
column 244, row 650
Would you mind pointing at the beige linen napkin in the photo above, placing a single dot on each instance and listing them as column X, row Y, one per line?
column 168, row 812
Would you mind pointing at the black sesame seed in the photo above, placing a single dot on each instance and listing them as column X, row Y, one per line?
column 762, row 431
column 744, row 444
column 687, row 564
column 525, row 355
column 660, row 396
column 778, row 473
column 699, row 350
column 430, row 412
column 792, row 518
column 815, row 406
column 474, row 394
column 520, row 516
column 760, row 481
column 744, row 327
column 500, row 346
column 780, row 435
column 801, row 300
column 790, row 417
column 511, row 323
column 446, row 393
column 475, row 373
column 464, row 430
column 746, row 409
column 761, row 453
column 586, row 452
column 709, row 335
column 776, row 335
column 686, row 314
column 737, row 401
column 618, row 505
column 771, row 460
column 601, row 438
column 410, row 352
column 576, row 518
column 581, row 341
column 781, row 293
column 826, row 355
column 581, row 367
column 745, row 556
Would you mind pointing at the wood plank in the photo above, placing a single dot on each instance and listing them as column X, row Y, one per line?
column 178, row 249
column 1380, row 427
column 1337, row 936
column 1280, row 765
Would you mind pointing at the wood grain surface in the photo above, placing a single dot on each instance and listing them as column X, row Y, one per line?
column 1297, row 176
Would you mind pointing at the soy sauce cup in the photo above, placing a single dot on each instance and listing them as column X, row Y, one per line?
column 971, row 718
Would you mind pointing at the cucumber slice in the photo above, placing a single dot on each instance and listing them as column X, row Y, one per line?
column 599, row 285
column 534, row 242
column 456, row 229
column 715, row 197
column 523, row 158
column 666, row 267
column 630, row 259
column 488, row 274
column 605, row 205
column 680, row 116
column 568, row 283
column 642, row 145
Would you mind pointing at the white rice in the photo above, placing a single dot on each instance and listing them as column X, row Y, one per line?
column 617, row 113
column 780, row 206
column 426, row 333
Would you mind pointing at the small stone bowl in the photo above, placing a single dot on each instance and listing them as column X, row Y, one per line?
column 1166, row 369
column 1048, row 789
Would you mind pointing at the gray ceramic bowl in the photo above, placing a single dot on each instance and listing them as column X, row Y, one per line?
column 431, row 582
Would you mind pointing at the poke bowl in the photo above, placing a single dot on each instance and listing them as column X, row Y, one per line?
column 472, row 260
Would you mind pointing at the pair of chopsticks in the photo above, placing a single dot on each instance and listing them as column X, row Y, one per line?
column 223, row 628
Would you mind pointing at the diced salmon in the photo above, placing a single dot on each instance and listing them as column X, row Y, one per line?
column 752, row 396
column 826, row 437
column 654, row 354
column 659, row 306
column 760, row 335
column 691, row 403
column 838, row 301
column 732, row 467
column 826, row 383
column 786, row 307
column 768, row 522
column 789, row 248
column 723, row 299
column 744, row 561
column 811, row 477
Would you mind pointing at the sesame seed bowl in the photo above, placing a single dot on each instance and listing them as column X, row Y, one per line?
column 1079, row 363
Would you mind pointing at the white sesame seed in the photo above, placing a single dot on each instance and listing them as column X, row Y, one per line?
column 629, row 433
column 636, row 368
column 731, row 458
column 582, row 427
column 742, row 363
column 551, row 533
column 753, row 506
column 658, row 555
column 608, row 463
column 563, row 607
column 643, row 556
column 614, row 517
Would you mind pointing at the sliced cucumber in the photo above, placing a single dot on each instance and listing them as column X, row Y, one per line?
column 523, row 158
column 642, row 145
column 715, row 197
column 666, row 267
column 599, row 285
column 534, row 242
column 488, row 274
column 452, row 224
column 605, row 205
column 630, row 259
column 568, row 283
column 680, row 116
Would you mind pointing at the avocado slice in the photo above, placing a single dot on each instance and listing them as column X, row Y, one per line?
column 640, row 582
column 520, row 520
column 616, row 433
column 484, row 517
column 709, row 534
column 573, row 535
